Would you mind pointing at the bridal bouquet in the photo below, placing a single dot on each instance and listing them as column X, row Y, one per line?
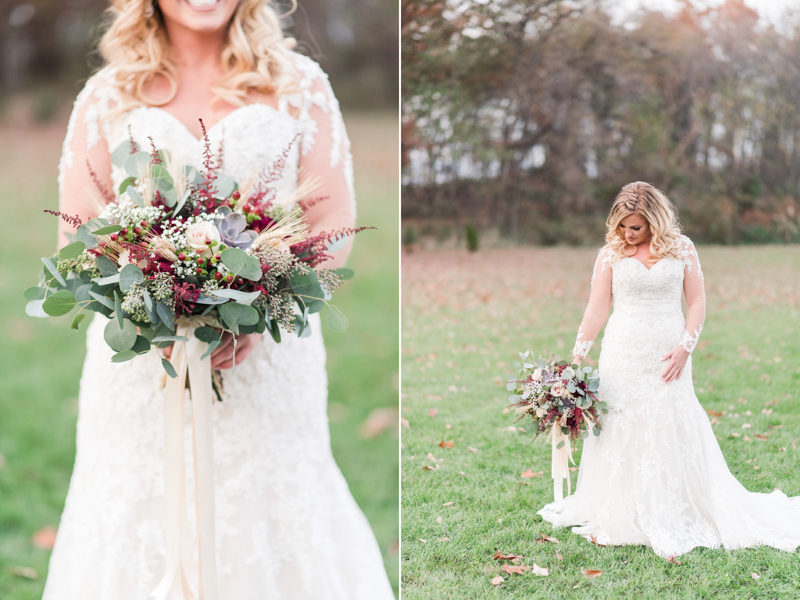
column 175, row 244
column 561, row 400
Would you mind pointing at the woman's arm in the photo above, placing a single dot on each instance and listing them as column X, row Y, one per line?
column 694, row 292
column 325, row 157
column 597, row 310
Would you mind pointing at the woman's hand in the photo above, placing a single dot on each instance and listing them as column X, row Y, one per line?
column 222, row 357
column 677, row 361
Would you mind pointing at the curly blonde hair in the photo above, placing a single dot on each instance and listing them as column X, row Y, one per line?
column 255, row 56
column 654, row 207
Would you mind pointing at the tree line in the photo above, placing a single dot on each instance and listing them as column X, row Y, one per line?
column 528, row 116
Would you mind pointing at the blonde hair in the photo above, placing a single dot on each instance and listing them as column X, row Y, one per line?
column 254, row 56
column 654, row 207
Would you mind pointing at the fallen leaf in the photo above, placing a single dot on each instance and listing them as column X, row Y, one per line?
column 506, row 411
column 497, row 580
column 771, row 403
column 541, row 571
column 404, row 422
column 433, row 412
column 25, row 572
column 530, row 473
column 452, row 388
column 756, row 467
column 522, row 429
column 449, row 444
column 761, row 437
column 432, row 397
column 378, row 421
column 714, row 413
column 423, row 541
column 746, row 426
column 428, row 468
column 734, row 434
column 471, row 449
column 766, row 411
column 431, row 457
column 545, row 538
column 500, row 556
column 573, row 468
column 594, row 541
column 518, row 569
column 439, row 520
column 673, row 560
column 447, row 504
column 45, row 538
column 591, row 573
column 714, row 421
column 444, row 539
column 781, row 449
column 755, row 576
column 510, row 428
column 747, row 438
column 448, row 426
column 558, row 555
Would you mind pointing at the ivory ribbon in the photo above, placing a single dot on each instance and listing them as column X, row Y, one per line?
column 186, row 358
column 560, row 463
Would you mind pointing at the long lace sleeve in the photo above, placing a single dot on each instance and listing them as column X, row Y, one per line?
column 325, row 157
column 695, row 294
column 599, row 304
column 84, row 173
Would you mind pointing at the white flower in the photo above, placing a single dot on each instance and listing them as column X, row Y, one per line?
column 199, row 234
column 558, row 389
column 537, row 375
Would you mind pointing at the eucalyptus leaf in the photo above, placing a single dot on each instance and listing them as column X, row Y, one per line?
column 150, row 308
column 211, row 347
column 168, row 368
column 560, row 445
column 34, row 309
column 107, row 280
column 133, row 162
column 104, row 300
column 337, row 243
column 207, row 334
column 565, row 430
column 336, row 320
column 241, row 264
column 246, row 298
column 120, row 338
column 53, row 271
column 135, row 196
column 169, row 338
column 130, row 275
column 345, row 273
column 166, row 316
column 108, row 230
column 118, row 308
column 77, row 320
column 225, row 185
column 170, row 197
column 34, row 293
column 123, row 356
column 72, row 250
column 59, row 303
column 596, row 430
column 161, row 178
column 126, row 184
column 121, row 153
column 105, row 266
column 238, row 314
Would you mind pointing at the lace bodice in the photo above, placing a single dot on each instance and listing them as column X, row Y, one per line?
column 649, row 295
column 307, row 122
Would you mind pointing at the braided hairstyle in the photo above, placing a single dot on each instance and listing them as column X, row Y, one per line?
column 654, row 207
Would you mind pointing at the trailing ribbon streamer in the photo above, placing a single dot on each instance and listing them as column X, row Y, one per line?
column 186, row 358
column 560, row 463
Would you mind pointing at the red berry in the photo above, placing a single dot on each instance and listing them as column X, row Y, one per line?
column 137, row 231
column 198, row 270
column 218, row 257
column 114, row 237
column 200, row 260
column 123, row 231
column 181, row 256
column 143, row 223
column 236, row 195
column 229, row 278
column 217, row 275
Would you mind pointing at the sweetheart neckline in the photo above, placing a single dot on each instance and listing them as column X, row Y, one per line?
column 643, row 265
column 222, row 120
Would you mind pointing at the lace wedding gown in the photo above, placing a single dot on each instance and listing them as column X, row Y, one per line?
column 656, row 475
column 286, row 525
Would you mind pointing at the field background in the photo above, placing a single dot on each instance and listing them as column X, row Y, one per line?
column 465, row 317
column 40, row 360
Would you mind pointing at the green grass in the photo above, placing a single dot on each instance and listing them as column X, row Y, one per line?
column 40, row 360
column 465, row 318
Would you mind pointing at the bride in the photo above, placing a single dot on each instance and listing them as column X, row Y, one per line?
column 656, row 475
column 287, row 525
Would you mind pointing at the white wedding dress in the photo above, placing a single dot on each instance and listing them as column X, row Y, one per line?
column 656, row 475
column 287, row 527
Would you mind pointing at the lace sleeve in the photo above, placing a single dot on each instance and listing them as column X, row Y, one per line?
column 325, row 156
column 695, row 294
column 598, row 307
column 84, row 172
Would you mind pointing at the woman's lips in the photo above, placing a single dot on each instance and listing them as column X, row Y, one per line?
column 202, row 4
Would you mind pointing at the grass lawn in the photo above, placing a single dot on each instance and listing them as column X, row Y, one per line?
column 40, row 360
column 464, row 319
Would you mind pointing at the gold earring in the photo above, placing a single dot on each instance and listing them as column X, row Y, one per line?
column 150, row 11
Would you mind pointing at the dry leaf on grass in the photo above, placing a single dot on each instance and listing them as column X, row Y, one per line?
column 558, row 555
column 45, row 538
column 432, row 412
column 518, row 569
column 447, row 504
column 673, row 560
column 378, row 421
column 546, row 538
column 591, row 573
column 500, row 556
column 432, row 397
column 510, row 428
column 438, row 519
column 530, row 473
column 404, row 422
column 747, row 438
column 594, row 541
column 428, row 468
column 761, row 437
column 573, row 469
column 506, row 411
column 448, row 444
column 746, row 426
column 25, row 572
column 452, row 388
column 771, row 403
column 444, row 539
column 471, row 449
column 755, row 576
column 541, row 571
column 497, row 580
column 431, row 457
column 423, row 541
column 714, row 413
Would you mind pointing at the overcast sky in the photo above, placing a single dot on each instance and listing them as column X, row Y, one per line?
column 770, row 10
